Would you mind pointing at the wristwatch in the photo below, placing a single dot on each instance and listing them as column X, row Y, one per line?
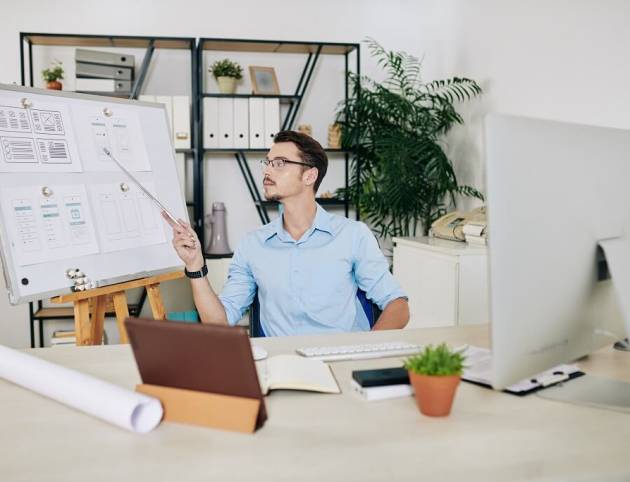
column 197, row 274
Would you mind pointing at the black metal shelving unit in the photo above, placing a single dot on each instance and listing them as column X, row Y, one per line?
column 37, row 312
column 313, row 52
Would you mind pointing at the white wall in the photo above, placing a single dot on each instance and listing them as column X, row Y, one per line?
column 557, row 59
column 561, row 59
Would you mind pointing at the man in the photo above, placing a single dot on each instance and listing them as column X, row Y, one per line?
column 306, row 265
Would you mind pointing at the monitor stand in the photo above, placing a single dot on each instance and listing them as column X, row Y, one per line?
column 592, row 391
column 613, row 261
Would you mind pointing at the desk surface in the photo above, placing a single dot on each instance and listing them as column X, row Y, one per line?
column 489, row 435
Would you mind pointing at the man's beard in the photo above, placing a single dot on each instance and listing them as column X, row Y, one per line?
column 273, row 197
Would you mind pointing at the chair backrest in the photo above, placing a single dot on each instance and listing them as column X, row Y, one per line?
column 255, row 329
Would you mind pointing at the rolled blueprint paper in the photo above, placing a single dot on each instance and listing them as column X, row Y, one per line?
column 119, row 406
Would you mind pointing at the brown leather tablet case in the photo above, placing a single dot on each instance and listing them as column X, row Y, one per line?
column 201, row 357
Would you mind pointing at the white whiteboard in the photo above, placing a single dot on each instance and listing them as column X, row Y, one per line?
column 64, row 205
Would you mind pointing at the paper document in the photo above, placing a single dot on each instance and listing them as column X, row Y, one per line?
column 119, row 406
column 157, row 203
column 40, row 138
column 479, row 370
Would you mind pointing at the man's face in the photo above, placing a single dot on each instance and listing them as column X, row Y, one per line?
column 290, row 179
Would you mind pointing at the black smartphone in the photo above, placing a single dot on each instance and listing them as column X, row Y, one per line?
column 381, row 377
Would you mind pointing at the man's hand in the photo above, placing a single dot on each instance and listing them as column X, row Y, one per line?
column 186, row 244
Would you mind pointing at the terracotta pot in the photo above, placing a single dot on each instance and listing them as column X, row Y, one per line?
column 227, row 85
column 434, row 394
column 54, row 85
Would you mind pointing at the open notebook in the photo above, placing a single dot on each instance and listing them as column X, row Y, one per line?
column 294, row 372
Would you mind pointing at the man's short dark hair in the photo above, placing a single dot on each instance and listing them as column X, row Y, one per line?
column 310, row 151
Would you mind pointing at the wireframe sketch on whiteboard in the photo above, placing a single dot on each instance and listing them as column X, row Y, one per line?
column 14, row 119
column 36, row 139
column 48, row 227
column 129, row 218
column 18, row 150
column 100, row 137
column 120, row 133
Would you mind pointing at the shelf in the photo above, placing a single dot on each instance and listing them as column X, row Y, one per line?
column 324, row 201
column 282, row 97
column 276, row 46
column 79, row 40
column 236, row 149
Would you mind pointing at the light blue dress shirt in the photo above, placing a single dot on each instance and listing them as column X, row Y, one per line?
column 310, row 285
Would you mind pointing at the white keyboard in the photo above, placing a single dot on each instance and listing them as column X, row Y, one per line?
column 359, row 352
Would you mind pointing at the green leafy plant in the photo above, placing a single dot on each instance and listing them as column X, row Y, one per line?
column 226, row 68
column 54, row 72
column 439, row 360
column 396, row 130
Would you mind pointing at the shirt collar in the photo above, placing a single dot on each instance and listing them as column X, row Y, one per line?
column 321, row 222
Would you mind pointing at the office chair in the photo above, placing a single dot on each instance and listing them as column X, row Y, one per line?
column 255, row 329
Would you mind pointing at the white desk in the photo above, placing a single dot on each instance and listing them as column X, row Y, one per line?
column 489, row 436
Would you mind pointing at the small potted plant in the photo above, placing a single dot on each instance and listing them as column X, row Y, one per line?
column 52, row 75
column 227, row 73
column 435, row 374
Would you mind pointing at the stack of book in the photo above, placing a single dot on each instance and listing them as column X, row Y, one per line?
column 63, row 337
column 104, row 73
column 475, row 233
column 381, row 384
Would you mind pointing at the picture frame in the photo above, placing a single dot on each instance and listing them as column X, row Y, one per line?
column 264, row 80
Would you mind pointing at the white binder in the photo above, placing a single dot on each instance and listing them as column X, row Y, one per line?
column 272, row 120
column 146, row 98
column 241, row 123
column 168, row 103
column 226, row 123
column 181, row 122
column 210, row 123
column 256, row 123
column 180, row 164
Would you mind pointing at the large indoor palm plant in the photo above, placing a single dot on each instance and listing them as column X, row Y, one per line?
column 396, row 130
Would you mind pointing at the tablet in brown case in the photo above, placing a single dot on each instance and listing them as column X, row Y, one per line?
column 201, row 357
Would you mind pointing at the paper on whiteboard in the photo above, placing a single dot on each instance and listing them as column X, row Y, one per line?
column 119, row 132
column 109, row 402
column 48, row 228
column 38, row 139
column 129, row 219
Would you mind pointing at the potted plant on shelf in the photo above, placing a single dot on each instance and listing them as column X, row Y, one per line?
column 435, row 374
column 396, row 130
column 52, row 75
column 227, row 73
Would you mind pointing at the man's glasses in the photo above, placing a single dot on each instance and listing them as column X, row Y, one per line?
column 279, row 163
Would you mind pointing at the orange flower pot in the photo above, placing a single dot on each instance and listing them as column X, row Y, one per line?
column 434, row 394
column 54, row 85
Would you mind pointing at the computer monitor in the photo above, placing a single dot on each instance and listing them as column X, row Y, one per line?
column 555, row 191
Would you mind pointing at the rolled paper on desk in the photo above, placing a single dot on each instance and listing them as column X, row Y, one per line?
column 119, row 406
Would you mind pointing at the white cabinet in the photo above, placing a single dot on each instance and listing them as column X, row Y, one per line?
column 446, row 281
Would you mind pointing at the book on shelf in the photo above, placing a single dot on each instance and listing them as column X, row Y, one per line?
column 292, row 372
column 63, row 337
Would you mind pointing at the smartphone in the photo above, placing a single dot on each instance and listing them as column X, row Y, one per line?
column 381, row 377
